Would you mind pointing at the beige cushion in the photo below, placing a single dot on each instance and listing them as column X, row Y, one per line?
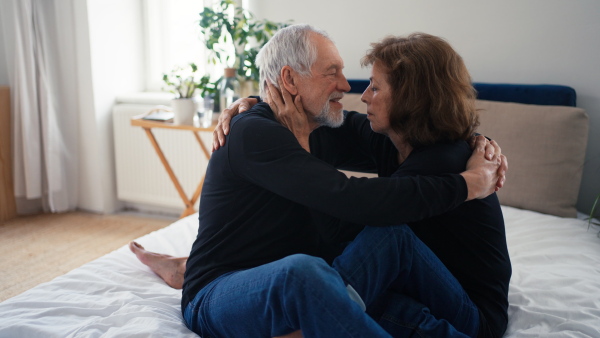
column 352, row 102
column 545, row 147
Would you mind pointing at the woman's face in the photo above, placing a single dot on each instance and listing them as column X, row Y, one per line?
column 378, row 99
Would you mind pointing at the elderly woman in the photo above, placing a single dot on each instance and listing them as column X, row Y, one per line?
column 420, row 116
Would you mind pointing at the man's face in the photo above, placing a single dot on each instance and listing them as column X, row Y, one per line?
column 325, row 86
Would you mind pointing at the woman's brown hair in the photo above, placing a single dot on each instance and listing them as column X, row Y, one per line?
column 432, row 96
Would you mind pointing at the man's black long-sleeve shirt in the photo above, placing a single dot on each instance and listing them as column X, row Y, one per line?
column 262, row 186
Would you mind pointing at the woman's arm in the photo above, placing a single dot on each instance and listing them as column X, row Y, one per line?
column 224, row 121
column 352, row 146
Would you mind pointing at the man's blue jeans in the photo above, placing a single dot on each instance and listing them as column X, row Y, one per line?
column 391, row 269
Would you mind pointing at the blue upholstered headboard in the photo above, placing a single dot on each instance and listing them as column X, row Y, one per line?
column 549, row 95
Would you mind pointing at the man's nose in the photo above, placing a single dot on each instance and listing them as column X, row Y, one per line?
column 343, row 85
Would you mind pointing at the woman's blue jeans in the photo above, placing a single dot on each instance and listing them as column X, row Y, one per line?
column 392, row 271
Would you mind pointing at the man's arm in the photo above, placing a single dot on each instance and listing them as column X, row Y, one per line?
column 487, row 153
column 491, row 149
column 268, row 155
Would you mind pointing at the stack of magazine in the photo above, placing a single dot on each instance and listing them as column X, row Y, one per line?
column 161, row 116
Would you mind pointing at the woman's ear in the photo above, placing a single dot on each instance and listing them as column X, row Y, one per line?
column 289, row 80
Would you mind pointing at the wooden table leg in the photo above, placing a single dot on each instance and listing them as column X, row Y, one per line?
column 188, row 203
column 202, row 145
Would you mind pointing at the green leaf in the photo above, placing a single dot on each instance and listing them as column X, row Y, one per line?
column 240, row 28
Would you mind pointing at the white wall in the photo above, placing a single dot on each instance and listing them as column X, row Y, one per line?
column 511, row 41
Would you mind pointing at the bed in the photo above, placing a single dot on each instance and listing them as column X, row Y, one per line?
column 554, row 290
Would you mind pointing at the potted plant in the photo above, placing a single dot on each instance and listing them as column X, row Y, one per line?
column 234, row 38
column 185, row 82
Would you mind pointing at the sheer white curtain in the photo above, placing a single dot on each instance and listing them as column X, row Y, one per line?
column 41, row 65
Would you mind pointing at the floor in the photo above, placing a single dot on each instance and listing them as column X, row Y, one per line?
column 36, row 249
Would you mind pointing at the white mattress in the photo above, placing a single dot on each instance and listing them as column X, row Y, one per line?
column 554, row 291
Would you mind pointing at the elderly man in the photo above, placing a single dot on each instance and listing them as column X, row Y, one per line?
column 256, row 267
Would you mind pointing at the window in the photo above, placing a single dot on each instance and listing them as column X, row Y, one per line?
column 172, row 37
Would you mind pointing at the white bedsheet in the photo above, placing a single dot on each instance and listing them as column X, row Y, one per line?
column 554, row 291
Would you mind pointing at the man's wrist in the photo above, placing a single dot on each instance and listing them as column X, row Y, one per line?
column 470, row 177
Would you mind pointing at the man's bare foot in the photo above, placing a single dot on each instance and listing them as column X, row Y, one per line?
column 170, row 269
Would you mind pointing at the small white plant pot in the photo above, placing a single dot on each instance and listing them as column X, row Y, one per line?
column 184, row 110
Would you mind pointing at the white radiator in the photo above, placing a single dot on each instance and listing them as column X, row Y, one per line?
column 142, row 181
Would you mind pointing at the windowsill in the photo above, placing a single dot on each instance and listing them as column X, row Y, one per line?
column 155, row 98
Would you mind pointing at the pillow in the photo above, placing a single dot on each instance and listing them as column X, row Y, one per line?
column 545, row 147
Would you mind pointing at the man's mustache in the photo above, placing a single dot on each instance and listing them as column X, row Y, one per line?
column 336, row 96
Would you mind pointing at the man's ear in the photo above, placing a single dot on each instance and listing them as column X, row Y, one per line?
column 289, row 79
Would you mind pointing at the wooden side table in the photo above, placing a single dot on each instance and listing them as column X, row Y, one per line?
column 148, row 125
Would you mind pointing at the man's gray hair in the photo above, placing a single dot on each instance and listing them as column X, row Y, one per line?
column 290, row 46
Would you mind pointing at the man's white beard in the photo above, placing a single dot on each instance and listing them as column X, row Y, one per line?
column 328, row 117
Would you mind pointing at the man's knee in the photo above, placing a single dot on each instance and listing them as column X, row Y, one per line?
column 299, row 270
column 403, row 230
column 303, row 265
column 386, row 233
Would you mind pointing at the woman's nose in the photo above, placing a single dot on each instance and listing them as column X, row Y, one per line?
column 364, row 95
